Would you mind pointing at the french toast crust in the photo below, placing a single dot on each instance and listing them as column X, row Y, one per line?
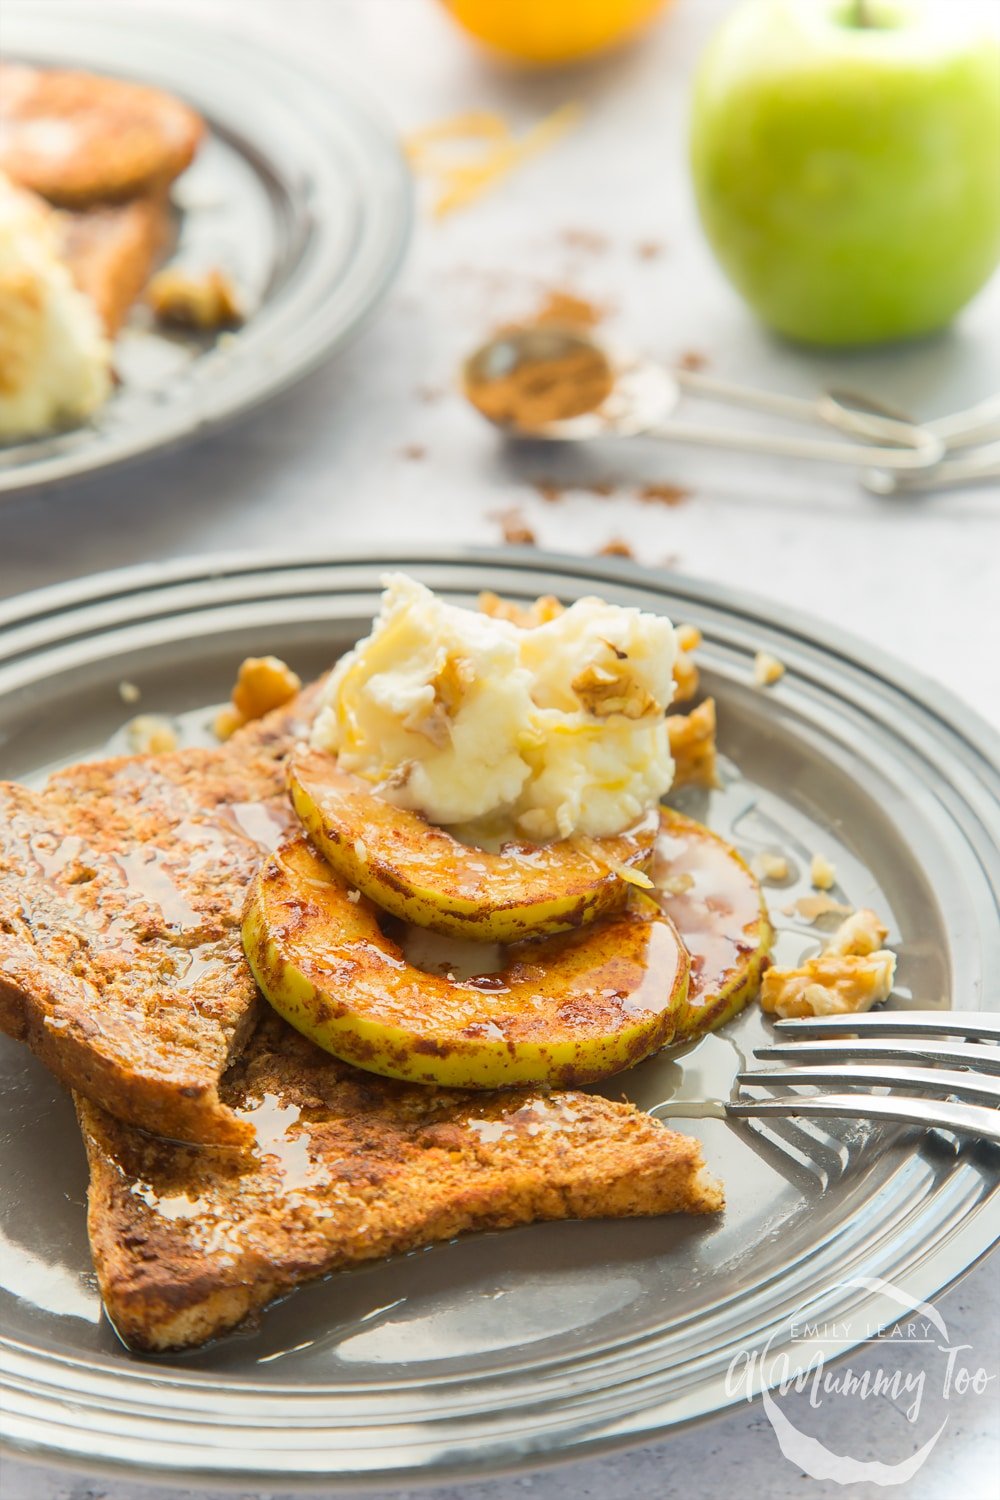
column 112, row 249
column 121, row 885
column 351, row 1167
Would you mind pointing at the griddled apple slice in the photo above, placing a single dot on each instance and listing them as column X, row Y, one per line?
column 425, row 875
column 716, row 904
column 566, row 1011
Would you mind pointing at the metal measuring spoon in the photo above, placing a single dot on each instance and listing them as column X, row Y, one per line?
column 970, row 434
column 641, row 396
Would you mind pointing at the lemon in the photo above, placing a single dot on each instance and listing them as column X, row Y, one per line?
column 552, row 31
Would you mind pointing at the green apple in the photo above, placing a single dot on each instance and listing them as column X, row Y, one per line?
column 846, row 158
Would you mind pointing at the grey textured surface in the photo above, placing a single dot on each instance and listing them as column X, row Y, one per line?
column 334, row 463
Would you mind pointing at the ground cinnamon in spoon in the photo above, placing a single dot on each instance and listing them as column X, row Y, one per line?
column 544, row 379
column 541, row 387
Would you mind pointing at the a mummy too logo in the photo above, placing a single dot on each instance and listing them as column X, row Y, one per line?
column 920, row 1383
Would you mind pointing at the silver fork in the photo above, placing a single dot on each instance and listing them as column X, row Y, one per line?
column 861, row 1051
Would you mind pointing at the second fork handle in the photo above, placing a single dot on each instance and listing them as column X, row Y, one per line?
column 855, row 454
column 828, row 410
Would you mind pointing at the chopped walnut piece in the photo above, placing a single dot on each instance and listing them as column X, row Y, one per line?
column 822, row 874
column 852, row 974
column 686, row 677
column 863, row 933
column 767, row 866
column 397, row 777
column 450, row 682
column 767, row 669
column 151, row 734
column 544, row 609
column 692, row 745
column 609, row 688
column 262, row 683
column 205, row 300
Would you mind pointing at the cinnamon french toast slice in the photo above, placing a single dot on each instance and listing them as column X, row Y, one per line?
column 348, row 1168
column 121, row 887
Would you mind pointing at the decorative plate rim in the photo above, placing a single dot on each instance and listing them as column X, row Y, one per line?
column 385, row 226
column 595, row 1420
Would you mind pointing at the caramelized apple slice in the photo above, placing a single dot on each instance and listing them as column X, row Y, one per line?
column 566, row 1011
column 424, row 875
column 717, row 907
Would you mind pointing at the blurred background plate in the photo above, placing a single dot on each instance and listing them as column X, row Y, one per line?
column 513, row 1349
column 300, row 192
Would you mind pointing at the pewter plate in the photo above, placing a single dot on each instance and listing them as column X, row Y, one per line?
column 300, row 192
column 506, row 1350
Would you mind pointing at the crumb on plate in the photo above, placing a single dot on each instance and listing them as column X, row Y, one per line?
column 151, row 734
column 204, row 300
column 768, row 866
column 814, row 908
column 822, row 874
column 767, row 669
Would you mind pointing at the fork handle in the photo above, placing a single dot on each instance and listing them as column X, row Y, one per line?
column 973, row 1120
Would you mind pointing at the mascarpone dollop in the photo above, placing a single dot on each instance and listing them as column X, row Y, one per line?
column 555, row 730
column 55, row 363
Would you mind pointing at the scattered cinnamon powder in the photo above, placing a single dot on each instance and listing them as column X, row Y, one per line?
column 663, row 494
column 692, row 360
column 566, row 310
column 549, row 490
column 616, row 547
column 414, row 452
column 590, row 241
column 650, row 249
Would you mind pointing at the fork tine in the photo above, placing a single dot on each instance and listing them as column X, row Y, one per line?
column 903, row 1049
column 965, row 1085
column 966, row 1023
column 964, row 1119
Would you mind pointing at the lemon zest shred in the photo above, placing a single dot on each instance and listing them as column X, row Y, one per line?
column 592, row 848
column 465, row 182
column 480, row 125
